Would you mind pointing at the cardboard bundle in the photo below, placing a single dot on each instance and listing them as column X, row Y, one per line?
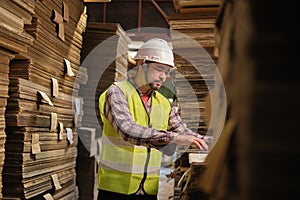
column 4, row 82
column 198, row 26
column 41, row 147
column 14, row 15
column 193, row 42
column 193, row 6
column 104, row 54
column 55, row 52
column 87, row 176
column 104, row 58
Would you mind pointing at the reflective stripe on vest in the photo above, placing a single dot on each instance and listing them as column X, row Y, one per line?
column 123, row 162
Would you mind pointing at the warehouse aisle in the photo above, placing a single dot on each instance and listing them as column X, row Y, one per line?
column 166, row 186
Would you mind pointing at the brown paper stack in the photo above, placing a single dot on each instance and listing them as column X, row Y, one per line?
column 113, row 42
column 104, row 56
column 41, row 137
column 87, row 175
column 193, row 6
column 193, row 42
column 14, row 15
column 4, row 82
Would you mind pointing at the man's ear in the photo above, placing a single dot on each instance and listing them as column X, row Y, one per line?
column 140, row 62
column 141, row 65
column 131, row 62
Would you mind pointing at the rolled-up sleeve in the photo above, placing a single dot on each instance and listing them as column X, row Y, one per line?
column 177, row 125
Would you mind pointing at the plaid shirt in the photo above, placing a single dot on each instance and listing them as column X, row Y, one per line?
column 117, row 112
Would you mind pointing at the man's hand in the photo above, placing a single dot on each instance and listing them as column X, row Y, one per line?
column 185, row 140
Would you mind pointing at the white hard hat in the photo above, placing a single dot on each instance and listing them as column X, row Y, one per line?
column 156, row 50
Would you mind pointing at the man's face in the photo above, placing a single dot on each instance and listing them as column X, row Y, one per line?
column 157, row 74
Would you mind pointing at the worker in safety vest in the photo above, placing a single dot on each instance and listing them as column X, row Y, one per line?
column 139, row 123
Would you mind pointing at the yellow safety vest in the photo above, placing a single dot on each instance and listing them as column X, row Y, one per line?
column 125, row 166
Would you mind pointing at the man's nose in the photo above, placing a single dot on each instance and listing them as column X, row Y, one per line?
column 163, row 76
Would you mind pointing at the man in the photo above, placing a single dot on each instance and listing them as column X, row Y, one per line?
column 139, row 123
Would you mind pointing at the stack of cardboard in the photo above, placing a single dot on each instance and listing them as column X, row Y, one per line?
column 41, row 147
column 193, row 38
column 87, row 168
column 4, row 82
column 104, row 54
column 95, row 34
column 197, row 26
column 14, row 15
column 189, row 6
column 193, row 43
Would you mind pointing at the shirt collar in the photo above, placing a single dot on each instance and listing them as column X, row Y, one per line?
column 149, row 93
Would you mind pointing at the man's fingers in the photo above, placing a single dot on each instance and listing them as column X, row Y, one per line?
column 201, row 144
column 188, row 140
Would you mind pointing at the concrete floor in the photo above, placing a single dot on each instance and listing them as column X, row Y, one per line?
column 166, row 186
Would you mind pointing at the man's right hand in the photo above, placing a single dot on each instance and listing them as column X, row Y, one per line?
column 186, row 140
